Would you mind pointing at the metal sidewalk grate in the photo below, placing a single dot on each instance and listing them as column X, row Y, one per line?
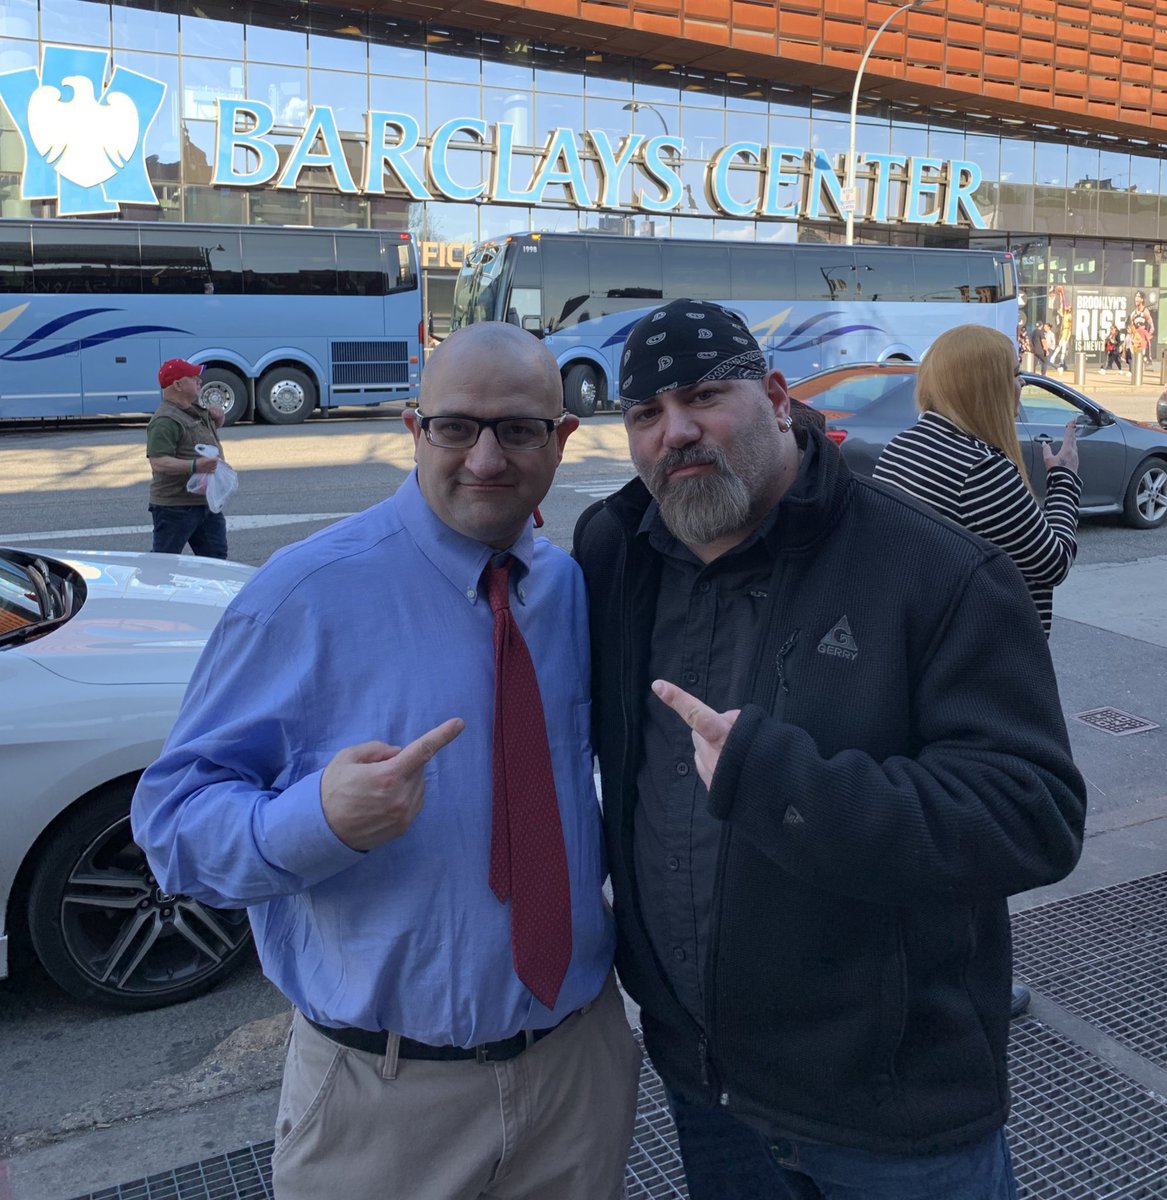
column 1114, row 720
column 1080, row 1130
column 1100, row 956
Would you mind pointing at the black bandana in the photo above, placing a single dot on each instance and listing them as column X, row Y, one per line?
column 684, row 343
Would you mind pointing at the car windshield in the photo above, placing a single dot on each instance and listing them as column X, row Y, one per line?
column 33, row 597
column 852, row 391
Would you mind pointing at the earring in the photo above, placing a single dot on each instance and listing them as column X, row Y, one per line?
column 784, row 424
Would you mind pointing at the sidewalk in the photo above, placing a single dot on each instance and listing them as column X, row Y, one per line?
column 1088, row 1064
column 1117, row 392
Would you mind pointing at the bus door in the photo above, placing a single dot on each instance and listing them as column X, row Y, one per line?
column 120, row 376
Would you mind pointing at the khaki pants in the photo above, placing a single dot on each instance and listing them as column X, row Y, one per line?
column 554, row 1123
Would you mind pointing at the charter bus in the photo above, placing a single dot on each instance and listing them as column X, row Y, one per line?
column 283, row 320
column 810, row 305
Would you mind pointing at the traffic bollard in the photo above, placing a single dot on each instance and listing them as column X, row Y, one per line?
column 1028, row 362
column 1137, row 369
column 1080, row 369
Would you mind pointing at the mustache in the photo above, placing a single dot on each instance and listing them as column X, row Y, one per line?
column 685, row 456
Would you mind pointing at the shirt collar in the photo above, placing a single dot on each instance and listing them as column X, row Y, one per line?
column 459, row 558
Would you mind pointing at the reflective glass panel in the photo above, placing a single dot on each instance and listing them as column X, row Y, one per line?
column 141, row 29
column 397, row 60
column 164, row 140
column 337, row 53
column 204, row 80
column 1050, row 165
column 285, row 90
column 400, row 96
column 346, row 94
column 703, row 130
column 201, row 35
column 18, row 19
column 15, row 258
column 76, row 22
column 510, row 107
column 65, row 260
column 286, row 46
column 557, row 112
column 450, row 101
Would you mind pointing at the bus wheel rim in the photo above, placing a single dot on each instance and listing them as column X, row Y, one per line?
column 287, row 396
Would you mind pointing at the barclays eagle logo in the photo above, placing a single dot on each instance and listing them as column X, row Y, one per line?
column 83, row 136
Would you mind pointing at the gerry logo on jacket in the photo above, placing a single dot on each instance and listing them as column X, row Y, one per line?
column 840, row 643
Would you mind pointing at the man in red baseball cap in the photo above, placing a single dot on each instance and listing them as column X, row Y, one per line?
column 175, row 430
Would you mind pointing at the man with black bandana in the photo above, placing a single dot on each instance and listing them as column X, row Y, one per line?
column 855, row 753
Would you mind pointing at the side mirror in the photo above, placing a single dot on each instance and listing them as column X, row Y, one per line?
column 533, row 325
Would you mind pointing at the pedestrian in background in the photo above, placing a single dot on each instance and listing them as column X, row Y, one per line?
column 384, row 753
column 1113, row 348
column 963, row 458
column 812, row 843
column 179, row 424
column 1041, row 347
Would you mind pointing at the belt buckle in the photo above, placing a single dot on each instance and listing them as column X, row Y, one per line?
column 482, row 1054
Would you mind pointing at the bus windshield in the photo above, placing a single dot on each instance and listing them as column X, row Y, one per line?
column 478, row 290
column 283, row 321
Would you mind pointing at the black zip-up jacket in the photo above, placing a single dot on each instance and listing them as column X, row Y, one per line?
column 899, row 768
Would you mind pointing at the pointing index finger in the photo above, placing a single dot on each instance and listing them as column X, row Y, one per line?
column 415, row 756
column 695, row 713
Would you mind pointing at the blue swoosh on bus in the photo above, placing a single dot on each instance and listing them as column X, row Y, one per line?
column 97, row 338
column 789, row 342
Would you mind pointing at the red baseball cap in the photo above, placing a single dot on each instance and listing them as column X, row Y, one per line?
column 174, row 369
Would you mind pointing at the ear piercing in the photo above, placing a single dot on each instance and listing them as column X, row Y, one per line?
column 784, row 424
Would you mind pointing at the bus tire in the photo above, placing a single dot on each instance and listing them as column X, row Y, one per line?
column 285, row 396
column 219, row 386
column 581, row 390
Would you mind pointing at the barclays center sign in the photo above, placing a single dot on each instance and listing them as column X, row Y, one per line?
column 84, row 133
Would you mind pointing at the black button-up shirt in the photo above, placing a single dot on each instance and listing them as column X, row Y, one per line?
column 709, row 619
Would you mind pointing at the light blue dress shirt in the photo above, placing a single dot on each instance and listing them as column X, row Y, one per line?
column 375, row 629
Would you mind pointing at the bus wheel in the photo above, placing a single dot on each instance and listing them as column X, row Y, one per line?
column 581, row 390
column 286, row 396
column 227, row 390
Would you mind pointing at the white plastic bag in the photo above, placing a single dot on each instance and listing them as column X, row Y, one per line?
column 219, row 485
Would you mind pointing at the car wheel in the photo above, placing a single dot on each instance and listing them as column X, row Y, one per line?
column 581, row 390
column 106, row 932
column 286, row 396
column 224, row 388
column 1145, row 504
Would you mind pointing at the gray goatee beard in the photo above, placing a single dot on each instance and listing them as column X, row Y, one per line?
column 704, row 508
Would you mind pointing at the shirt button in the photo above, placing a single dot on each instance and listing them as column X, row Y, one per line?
column 678, row 954
column 704, row 586
column 470, row 593
column 690, row 677
column 522, row 593
column 682, row 769
column 673, row 863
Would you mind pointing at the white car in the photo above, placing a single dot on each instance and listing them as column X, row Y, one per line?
column 95, row 652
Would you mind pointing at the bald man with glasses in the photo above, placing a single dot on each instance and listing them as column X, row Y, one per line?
column 385, row 755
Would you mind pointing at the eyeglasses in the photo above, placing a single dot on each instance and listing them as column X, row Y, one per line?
column 452, row 432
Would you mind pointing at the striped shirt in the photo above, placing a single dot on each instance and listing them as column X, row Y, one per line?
column 975, row 485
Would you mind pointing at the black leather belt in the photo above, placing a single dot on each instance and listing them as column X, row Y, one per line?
column 376, row 1043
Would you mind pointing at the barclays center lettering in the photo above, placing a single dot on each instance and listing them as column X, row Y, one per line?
column 86, row 130
column 742, row 179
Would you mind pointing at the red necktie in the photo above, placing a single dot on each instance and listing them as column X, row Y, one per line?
column 528, row 864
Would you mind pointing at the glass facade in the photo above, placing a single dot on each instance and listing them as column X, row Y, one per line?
column 1077, row 212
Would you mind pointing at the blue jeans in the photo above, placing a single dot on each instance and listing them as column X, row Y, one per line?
column 177, row 524
column 727, row 1160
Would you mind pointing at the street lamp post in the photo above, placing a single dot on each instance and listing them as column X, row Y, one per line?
column 850, row 175
column 635, row 106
